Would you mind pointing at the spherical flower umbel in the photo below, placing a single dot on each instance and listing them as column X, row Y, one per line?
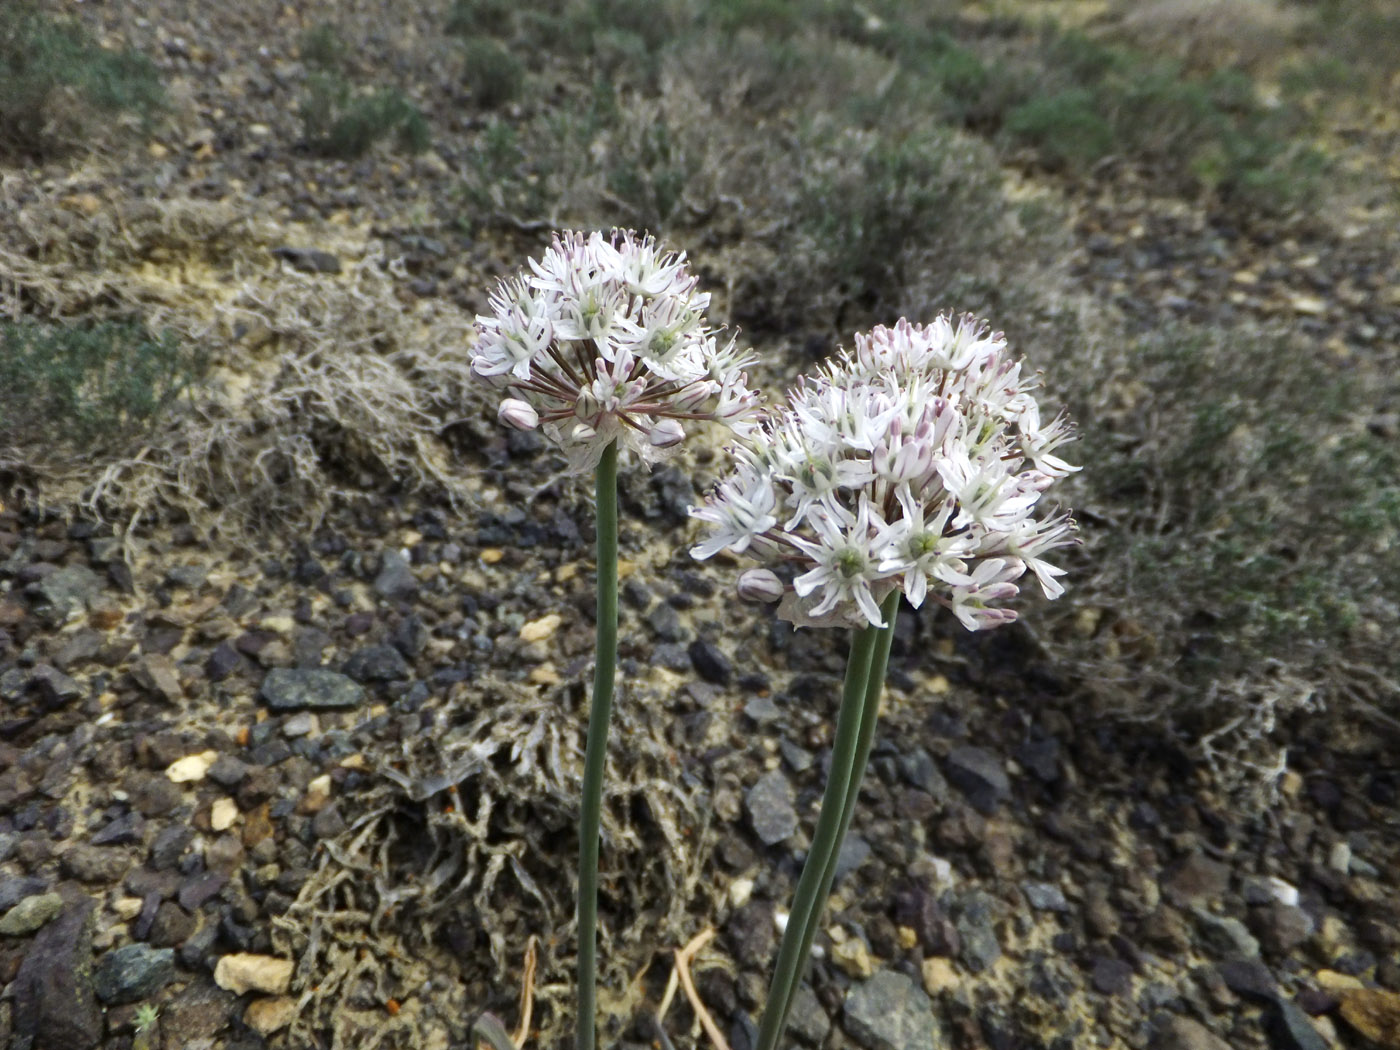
column 916, row 461
column 604, row 338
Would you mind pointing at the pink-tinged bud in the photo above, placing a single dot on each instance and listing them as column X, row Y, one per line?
column 666, row 432
column 759, row 585
column 518, row 414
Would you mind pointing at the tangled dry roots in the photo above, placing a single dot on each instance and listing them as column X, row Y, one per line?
column 317, row 385
column 472, row 830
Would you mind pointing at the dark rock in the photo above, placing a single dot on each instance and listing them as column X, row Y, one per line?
column 199, row 950
column 172, row 924
column 328, row 823
column 310, row 646
column 854, row 852
column 770, row 806
column 1195, row 879
column 169, row 845
column 1280, row 927
column 808, row 1020
column 94, row 863
column 54, row 686
column 136, row 971
column 1045, row 896
column 376, row 663
column 146, row 918
column 763, row 710
column 125, row 830
column 81, row 647
column 666, row 624
column 920, row 769
column 709, row 662
column 979, row 947
column 227, row 771
column 799, row 759
column 155, row 796
column 979, row 775
column 200, row 888
column 410, row 636
column 1290, row 1028
column 1225, row 936
column 188, row 577
column 66, row 591
column 891, row 1012
column 919, row 910
column 1111, row 976
column 222, row 662
column 292, row 688
column 197, row 1014
column 308, row 260
column 359, row 623
column 14, row 888
column 751, row 935
column 395, row 579
column 1250, row 979
column 55, row 1007
column 142, row 882
column 1042, row 757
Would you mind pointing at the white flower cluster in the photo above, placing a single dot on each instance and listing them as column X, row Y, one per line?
column 604, row 339
column 915, row 462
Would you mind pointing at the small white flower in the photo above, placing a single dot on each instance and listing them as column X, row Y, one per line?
column 847, row 563
column 741, row 509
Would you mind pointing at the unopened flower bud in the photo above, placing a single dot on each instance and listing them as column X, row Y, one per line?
column 519, row 414
column 666, row 432
column 759, row 585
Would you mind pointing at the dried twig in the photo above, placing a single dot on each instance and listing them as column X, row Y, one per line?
column 527, row 992
column 682, row 972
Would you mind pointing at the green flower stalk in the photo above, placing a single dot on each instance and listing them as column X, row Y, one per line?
column 911, row 469
column 602, row 343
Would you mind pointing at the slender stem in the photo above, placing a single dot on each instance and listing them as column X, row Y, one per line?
column 595, row 758
column 865, row 739
column 808, row 899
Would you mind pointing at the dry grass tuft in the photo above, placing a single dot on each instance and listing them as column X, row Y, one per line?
column 319, row 385
column 466, row 850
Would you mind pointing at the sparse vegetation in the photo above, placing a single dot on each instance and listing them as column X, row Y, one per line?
column 1256, row 518
column 77, row 385
column 56, row 82
column 342, row 120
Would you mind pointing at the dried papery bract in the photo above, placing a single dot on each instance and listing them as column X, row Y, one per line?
column 909, row 467
column 603, row 344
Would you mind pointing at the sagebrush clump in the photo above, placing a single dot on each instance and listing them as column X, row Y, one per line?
column 58, row 85
column 65, row 387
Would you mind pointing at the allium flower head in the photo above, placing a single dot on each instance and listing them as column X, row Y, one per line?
column 916, row 461
column 604, row 338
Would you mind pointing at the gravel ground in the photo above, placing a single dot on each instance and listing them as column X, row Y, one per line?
column 323, row 795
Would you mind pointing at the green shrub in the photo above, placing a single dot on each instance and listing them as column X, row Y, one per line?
column 472, row 18
column 494, row 74
column 341, row 122
column 1065, row 127
column 583, row 162
column 76, row 385
column 55, row 79
column 1255, row 519
column 323, row 48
